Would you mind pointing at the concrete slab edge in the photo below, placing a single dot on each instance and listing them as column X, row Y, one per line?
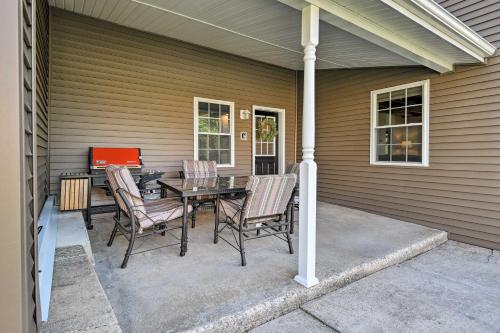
column 292, row 300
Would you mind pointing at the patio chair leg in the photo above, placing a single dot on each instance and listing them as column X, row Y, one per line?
column 113, row 234
column 292, row 217
column 242, row 247
column 216, row 230
column 129, row 250
column 289, row 239
column 193, row 216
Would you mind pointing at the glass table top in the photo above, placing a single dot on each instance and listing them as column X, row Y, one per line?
column 205, row 186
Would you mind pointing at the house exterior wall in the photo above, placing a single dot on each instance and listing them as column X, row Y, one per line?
column 460, row 190
column 113, row 86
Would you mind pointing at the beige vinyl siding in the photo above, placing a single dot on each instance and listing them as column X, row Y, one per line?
column 460, row 191
column 42, row 102
column 113, row 86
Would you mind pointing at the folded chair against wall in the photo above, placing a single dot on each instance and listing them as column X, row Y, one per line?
column 295, row 169
column 145, row 218
column 263, row 208
column 198, row 170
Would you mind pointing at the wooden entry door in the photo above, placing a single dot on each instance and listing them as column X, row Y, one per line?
column 266, row 150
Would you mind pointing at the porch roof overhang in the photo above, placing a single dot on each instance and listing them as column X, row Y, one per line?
column 353, row 33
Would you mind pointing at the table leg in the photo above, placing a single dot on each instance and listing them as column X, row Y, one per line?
column 89, row 205
column 216, row 229
column 184, row 238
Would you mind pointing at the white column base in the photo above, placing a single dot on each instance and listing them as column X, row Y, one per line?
column 307, row 224
column 308, row 283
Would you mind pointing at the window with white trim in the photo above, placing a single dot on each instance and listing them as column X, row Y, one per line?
column 214, row 131
column 400, row 125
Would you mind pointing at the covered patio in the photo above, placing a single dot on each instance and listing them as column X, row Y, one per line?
column 135, row 73
column 208, row 290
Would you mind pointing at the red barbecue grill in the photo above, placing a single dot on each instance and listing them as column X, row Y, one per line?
column 101, row 157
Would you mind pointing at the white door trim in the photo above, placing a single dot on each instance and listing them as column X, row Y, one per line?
column 281, row 135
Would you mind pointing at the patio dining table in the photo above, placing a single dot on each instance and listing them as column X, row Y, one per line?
column 193, row 187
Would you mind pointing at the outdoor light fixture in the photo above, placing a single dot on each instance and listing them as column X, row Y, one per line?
column 244, row 114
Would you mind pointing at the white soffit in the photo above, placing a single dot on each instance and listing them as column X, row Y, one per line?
column 353, row 33
column 263, row 30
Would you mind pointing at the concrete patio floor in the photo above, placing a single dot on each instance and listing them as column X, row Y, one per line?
column 208, row 290
column 452, row 288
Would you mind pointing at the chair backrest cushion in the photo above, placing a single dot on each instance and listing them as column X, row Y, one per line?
column 293, row 168
column 121, row 178
column 199, row 169
column 269, row 194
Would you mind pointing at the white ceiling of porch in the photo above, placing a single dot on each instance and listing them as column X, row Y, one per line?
column 264, row 30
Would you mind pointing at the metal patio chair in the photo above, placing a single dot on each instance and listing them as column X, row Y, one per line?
column 192, row 169
column 145, row 218
column 263, row 209
column 295, row 169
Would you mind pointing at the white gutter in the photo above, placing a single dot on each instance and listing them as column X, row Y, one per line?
column 439, row 21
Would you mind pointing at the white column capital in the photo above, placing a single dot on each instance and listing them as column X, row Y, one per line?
column 310, row 26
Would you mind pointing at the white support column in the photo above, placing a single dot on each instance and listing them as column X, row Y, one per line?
column 308, row 168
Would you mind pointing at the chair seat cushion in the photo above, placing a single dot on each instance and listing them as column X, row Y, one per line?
column 161, row 210
column 232, row 209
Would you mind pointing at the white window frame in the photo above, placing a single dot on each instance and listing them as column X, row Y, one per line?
column 196, row 101
column 425, row 124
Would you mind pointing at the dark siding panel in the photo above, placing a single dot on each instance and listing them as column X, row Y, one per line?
column 113, row 86
column 42, row 102
column 28, row 178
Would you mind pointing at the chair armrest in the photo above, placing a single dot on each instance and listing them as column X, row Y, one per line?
column 122, row 191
